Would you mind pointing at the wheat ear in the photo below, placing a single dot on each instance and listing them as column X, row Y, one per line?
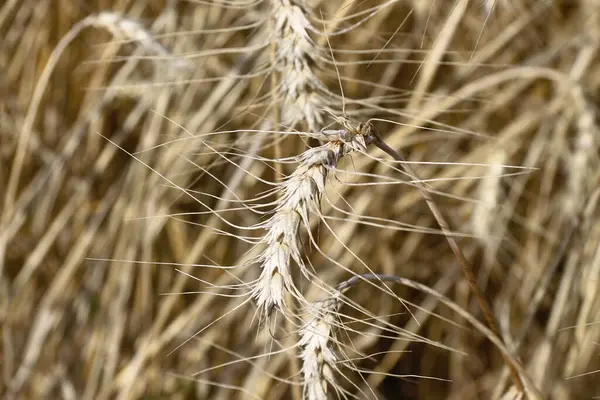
column 295, row 59
column 318, row 355
column 131, row 30
column 579, row 160
column 299, row 195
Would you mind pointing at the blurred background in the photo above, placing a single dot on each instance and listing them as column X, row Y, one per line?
column 108, row 195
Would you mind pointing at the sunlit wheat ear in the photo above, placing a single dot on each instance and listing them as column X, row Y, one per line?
column 295, row 59
column 318, row 353
column 299, row 195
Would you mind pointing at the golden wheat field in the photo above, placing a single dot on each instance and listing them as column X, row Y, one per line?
column 300, row 199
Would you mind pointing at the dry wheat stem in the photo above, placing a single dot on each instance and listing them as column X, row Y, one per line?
column 464, row 264
column 483, row 218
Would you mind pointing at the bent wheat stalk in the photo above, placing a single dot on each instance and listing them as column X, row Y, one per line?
column 301, row 194
column 464, row 264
